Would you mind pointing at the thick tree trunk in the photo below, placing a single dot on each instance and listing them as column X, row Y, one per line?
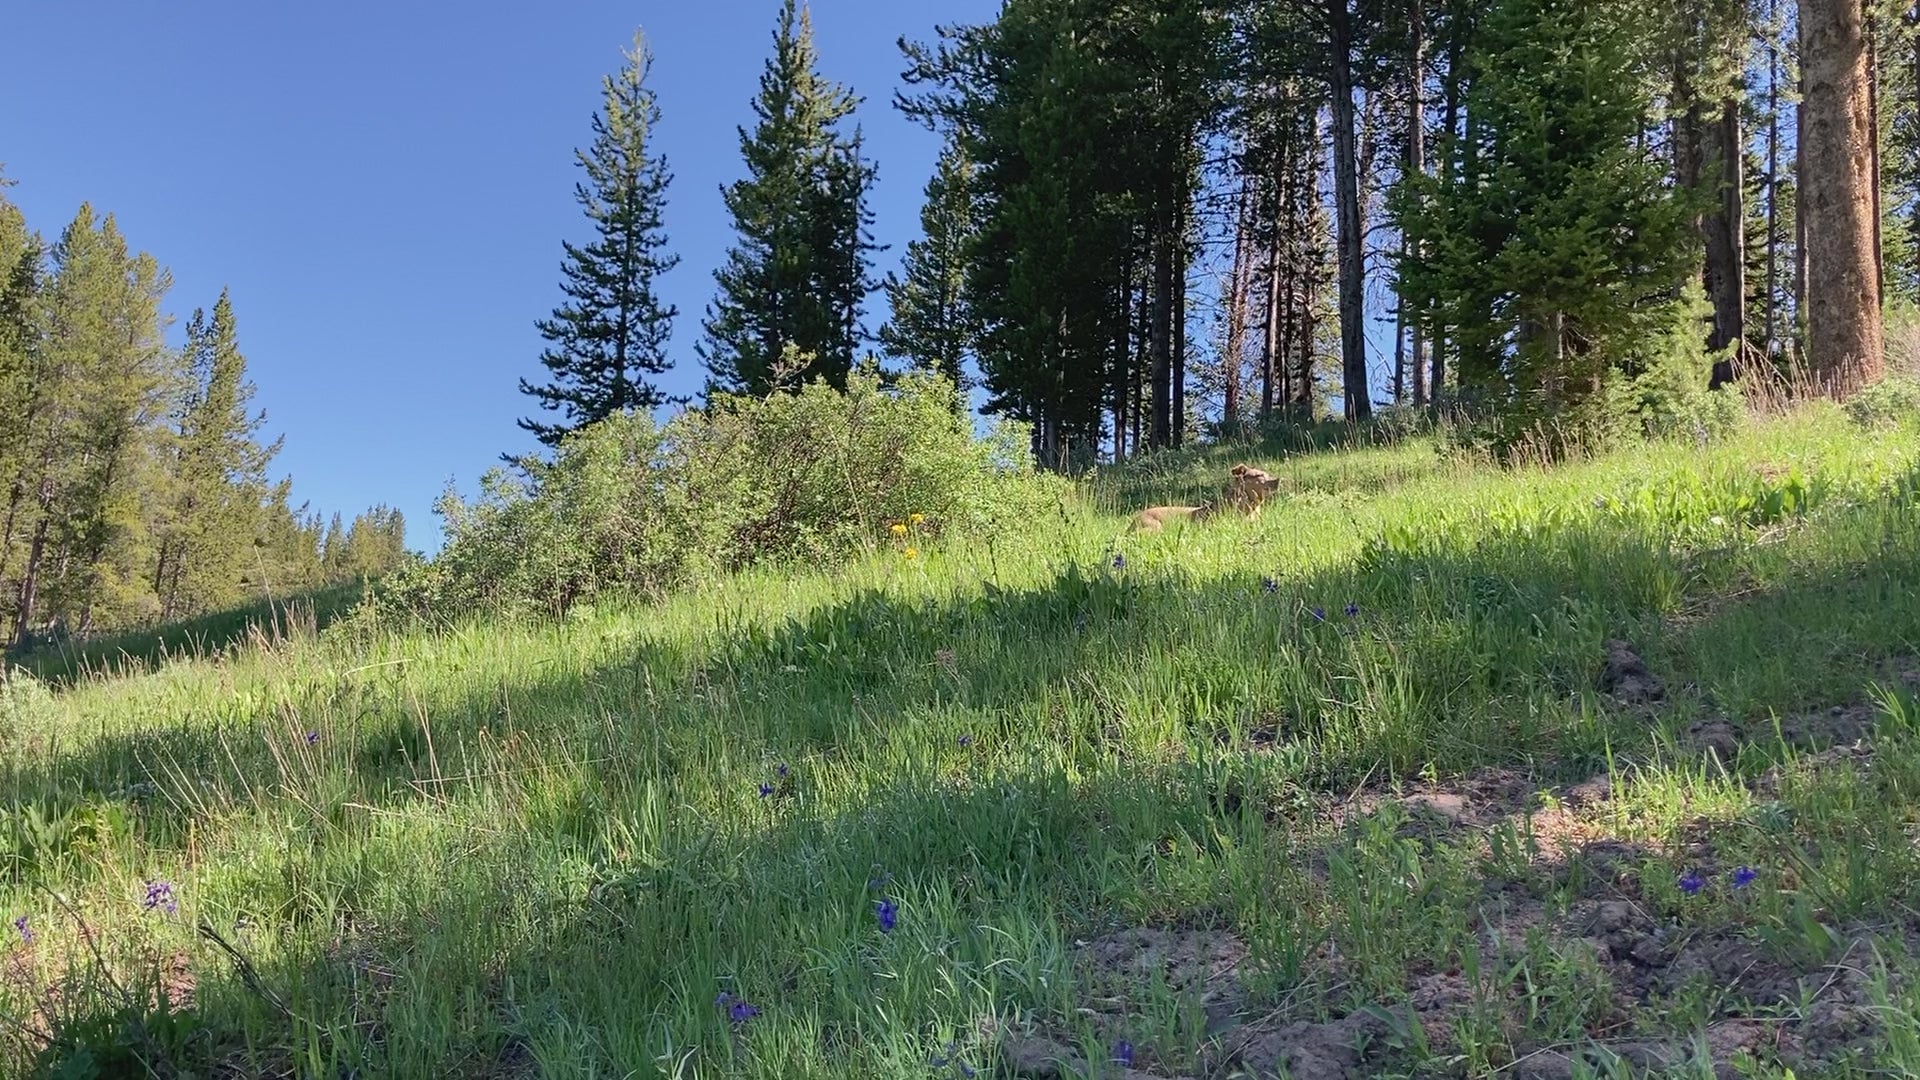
column 1726, row 277
column 1844, row 344
column 1354, row 390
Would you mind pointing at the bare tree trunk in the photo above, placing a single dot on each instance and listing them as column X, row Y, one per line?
column 1726, row 276
column 1239, row 308
column 1844, row 339
column 1416, row 166
column 1354, row 390
column 1179, row 297
column 1270, row 347
column 1773, row 187
column 1122, row 357
column 1162, row 325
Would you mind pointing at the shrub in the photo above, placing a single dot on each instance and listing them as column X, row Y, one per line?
column 629, row 506
column 1890, row 402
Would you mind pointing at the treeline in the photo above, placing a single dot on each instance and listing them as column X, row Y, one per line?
column 1151, row 217
column 134, row 482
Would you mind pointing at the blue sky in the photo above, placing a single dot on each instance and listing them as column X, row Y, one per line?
column 385, row 186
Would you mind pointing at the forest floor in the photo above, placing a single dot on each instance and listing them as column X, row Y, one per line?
column 1605, row 769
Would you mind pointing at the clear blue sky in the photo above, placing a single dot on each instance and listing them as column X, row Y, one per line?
column 384, row 187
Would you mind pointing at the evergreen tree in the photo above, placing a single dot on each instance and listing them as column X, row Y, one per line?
column 1551, row 246
column 931, row 327
column 799, row 272
column 611, row 334
column 219, row 474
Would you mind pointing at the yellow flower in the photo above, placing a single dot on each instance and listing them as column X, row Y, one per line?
column 899, row 529
column 913, row 553
column 917, row 519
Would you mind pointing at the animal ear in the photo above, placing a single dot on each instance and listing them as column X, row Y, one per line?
column 1239, row 470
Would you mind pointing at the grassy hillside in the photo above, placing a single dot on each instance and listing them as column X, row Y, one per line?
column 1430, row 771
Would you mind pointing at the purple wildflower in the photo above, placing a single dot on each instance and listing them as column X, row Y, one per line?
column 1744, row 877
column 888, row 913
column 312, row 737
column 966, row 741
column 737, row 1009
column 26, row 931
column 1269, row 586
column 1691, row 883
column 1119, row 562
column 160, row 895
column 1123, row 1054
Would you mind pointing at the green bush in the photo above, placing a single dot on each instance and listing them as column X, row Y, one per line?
column 627, row 506
column 1890, row 402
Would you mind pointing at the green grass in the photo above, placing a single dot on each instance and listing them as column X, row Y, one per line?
column 542, row 850
column 121, row 654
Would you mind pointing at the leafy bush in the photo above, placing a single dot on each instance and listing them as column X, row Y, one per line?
column 1890, row 402
column 629, row 506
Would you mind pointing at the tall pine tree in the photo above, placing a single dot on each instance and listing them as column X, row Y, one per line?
column 930, row 327
column 799, row 272
column 611, row 334
column 219, row 475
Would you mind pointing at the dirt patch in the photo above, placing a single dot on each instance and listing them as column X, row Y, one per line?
column 1185, row 962
column 1335, row 1050
column 1725, row 1043
column 1626, row 678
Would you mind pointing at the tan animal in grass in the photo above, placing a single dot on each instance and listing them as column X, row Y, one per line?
column 1250, row 489
column 1155, row 518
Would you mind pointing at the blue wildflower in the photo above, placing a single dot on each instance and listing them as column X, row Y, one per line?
column 781, row 770
column 1123, row 1053
column 1319, row 614
column 766, row 790
column 888, row 913
column 1119, row 562
column 160, row 895
column 1269, row 586
column 737, row 1009
column 1744, row 877
column 966, row 1070
column 26, row 931
column 966, row 741
column 312, row 737
column 1353, row 611
column 1691, row 883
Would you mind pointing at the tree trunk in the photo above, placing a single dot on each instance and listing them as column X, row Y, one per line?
column 1179, row 298
column 1726, row 277
column 1354, row 390
column 1416, row 166
column 1772, row 302
column 1844, row 344
column 1162, row 327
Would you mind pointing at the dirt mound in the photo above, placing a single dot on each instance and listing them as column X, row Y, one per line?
column 1626, row 678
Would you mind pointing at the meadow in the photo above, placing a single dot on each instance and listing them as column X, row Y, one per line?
column 1606, row 768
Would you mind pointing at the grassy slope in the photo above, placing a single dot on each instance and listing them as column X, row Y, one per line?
column 543, row 850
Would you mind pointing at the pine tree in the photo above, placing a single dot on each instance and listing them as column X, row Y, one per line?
column 931, row 327
column 219, row 474
column 611, row 333
column 1845, row 341
column 799, row 271
column 1550, row 245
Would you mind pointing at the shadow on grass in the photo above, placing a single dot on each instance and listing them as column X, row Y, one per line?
column 67, row 662
column 1026, row 764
